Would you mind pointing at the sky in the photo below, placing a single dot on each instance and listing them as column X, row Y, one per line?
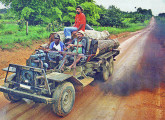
column 157, row 6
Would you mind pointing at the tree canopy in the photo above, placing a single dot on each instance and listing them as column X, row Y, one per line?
column 46, row 11
column 64, row 11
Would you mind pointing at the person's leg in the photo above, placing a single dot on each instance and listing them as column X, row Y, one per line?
column 60, row 56
column 68, row 31
column 75, row 62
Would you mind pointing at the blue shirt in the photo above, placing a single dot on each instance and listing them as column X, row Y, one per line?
column 52, row 44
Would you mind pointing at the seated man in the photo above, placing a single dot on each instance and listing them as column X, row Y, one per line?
column 79, row 46
column 80, row 22
column 56, row 45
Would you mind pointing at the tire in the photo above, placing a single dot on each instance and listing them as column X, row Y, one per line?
column 105, row 72
column 64, row 96
column 12, row 97
column 9, row 96
column 111, row 66
column 108, row 68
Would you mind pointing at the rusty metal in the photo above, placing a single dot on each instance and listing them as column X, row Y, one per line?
column 36, row 98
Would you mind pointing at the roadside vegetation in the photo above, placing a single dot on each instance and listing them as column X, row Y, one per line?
column 132, row 28
column 48, row 16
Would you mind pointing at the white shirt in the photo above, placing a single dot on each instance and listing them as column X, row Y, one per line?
column 58, row 47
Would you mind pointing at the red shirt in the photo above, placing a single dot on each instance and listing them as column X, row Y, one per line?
column 80, row 19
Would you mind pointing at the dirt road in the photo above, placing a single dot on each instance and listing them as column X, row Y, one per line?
column 135, row 91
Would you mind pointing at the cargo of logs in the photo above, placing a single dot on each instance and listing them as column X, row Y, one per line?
column 107, row 45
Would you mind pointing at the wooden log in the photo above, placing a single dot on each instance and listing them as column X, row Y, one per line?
column 93, row 34
column 107, row 45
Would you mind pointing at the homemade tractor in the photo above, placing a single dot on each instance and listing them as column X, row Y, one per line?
column 42, row 80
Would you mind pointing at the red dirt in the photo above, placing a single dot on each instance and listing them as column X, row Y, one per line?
column 16, row 56
column 92, row 103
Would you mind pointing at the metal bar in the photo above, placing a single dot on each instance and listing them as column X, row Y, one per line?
column 46, row 83
column 7, row 73
column 27, row 68
column 63, row 62
column 36, row 98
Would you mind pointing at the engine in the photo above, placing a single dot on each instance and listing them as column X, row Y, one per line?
column 37, row 60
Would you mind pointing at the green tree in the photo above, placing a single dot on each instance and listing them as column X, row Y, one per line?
column 111, row 17
column 92, row 12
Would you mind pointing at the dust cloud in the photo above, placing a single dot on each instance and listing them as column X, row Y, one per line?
column 150, row 71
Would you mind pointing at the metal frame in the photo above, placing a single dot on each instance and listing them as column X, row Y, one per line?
column 20, row 67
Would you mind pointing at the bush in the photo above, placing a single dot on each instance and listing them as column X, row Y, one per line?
column 54, row 26
column 8, row 32
column 2, row 26
column 40, row 31
column 21, row 24
column 1, row 16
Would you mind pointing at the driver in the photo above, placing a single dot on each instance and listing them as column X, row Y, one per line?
column 56, row 45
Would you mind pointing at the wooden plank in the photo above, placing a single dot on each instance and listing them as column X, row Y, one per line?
column 58, row 77
column 86, row 81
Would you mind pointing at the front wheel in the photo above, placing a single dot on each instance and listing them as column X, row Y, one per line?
column 64, row 96
column 11, row 97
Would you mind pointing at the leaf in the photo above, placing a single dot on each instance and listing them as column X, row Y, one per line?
column 26, row 12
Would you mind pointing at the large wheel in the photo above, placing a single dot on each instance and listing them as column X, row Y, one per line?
column 105, row 72
column 64, row 96
column 108, row 67
column 11, row 97
column 111, row 66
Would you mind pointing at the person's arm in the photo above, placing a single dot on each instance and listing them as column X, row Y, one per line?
column 73, row 45
column 79, row 45
column 62, row 46
column 74, row 25
column 79, row 28
column 75, row 22
column 51, row 45
column 70, row 45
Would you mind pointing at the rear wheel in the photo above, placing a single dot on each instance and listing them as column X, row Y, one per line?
column 105, row 73
column 64, row 96
column 108, row 68
column 111, row 66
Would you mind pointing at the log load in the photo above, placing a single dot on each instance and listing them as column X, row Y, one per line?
column 97, row 35
column 107, row 45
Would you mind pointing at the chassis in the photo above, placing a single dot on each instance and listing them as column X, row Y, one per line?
column 50, row 85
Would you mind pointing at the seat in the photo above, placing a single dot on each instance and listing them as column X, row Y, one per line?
column 91, row 48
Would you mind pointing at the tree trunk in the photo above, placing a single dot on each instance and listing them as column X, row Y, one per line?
column 26, row 27
column 107, row 45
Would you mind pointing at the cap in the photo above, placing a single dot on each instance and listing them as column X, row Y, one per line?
column 57, row 36
column 82, row 32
